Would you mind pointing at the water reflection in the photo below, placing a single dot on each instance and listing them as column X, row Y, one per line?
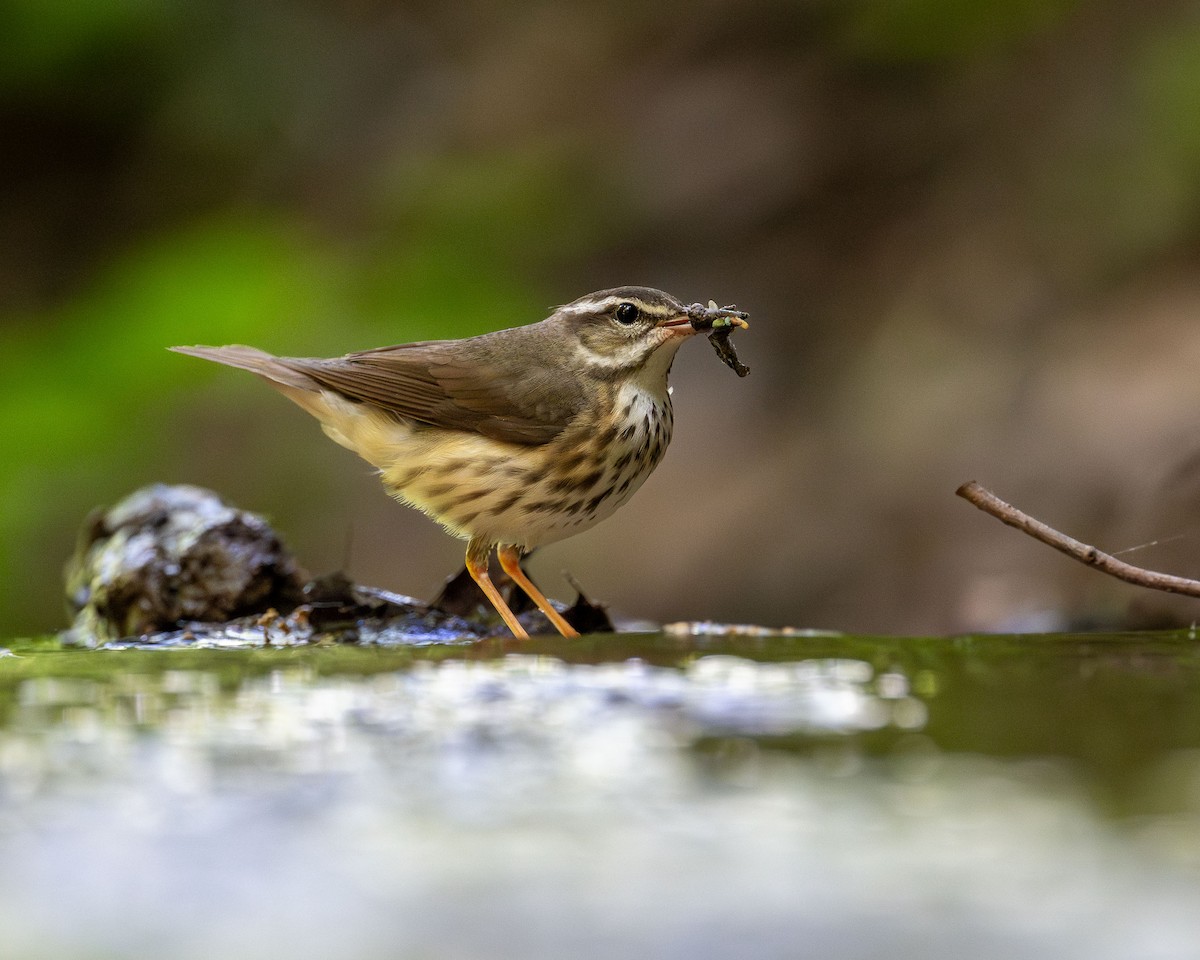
column 525, row 806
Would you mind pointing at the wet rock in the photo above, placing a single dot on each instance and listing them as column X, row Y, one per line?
column 166, row 555
column 335, row 601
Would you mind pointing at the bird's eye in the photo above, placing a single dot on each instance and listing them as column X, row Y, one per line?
column 626, row 313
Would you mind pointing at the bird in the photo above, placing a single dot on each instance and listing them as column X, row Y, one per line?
column 511, row 439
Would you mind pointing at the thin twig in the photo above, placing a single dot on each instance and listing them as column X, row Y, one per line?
column 988, row 502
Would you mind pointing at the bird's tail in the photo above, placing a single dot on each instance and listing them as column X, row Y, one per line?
column 272, row 368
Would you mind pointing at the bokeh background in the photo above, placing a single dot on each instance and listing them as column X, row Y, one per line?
column 968, row 235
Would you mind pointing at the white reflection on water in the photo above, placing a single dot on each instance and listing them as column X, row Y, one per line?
column 529, row 808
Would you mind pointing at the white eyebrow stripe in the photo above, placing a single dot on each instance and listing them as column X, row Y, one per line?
column 655, row 309
column 590, row 306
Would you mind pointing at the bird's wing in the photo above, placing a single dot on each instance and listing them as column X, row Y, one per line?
column 457, row 385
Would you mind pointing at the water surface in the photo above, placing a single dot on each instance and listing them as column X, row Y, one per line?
column 633, row 795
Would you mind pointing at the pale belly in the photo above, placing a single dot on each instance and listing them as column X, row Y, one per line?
column 504, row 493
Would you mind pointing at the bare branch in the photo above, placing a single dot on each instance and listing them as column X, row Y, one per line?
column 988, row 502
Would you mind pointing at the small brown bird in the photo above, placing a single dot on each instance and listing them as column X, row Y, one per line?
column 511, row 439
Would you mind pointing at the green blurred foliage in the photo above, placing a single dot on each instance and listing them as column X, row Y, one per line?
column 83, row 389
column 933, row 31
column 47, row 39
column 1166, row 99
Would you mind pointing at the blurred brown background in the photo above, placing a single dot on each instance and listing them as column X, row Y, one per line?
column 968, row 235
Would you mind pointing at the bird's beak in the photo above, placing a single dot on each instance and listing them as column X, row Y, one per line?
column 700, row 317
column 680, row 326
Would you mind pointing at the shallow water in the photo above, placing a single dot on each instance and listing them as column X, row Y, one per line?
column 633, row 795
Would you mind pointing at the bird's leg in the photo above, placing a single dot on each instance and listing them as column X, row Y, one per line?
column 510, row 561
column 477, row 567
